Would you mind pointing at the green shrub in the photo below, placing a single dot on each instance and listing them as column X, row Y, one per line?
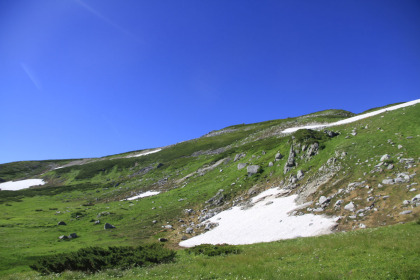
column 213, row 250
column 94, row 259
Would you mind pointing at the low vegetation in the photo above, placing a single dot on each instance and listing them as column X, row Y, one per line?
column 94, row 259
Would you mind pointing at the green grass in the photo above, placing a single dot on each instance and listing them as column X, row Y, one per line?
column 384, row 253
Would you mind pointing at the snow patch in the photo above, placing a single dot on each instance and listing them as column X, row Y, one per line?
column 268, row 220
column 145, row 153
column 353, row 119
column 19, row 185
column 145, row 194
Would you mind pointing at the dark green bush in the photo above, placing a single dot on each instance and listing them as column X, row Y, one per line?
column 213, row 250
column 94, row 259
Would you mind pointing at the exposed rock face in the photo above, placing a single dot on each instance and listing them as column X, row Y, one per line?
column 290, row 161
column 252, row 169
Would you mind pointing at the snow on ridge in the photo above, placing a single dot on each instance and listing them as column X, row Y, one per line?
column 353, row 119
column 22, row 184
column 145, row 194
column 267, row 220
column 145, row 153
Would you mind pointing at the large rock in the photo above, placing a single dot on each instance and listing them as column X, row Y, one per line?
column 252, row 169
column 189, row 230
column 278, row 156
column 108, row 226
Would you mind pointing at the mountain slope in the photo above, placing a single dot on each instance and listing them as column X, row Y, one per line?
column 340, row 173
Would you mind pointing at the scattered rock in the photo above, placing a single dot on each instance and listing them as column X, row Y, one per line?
column 63, row 237
column 217, row 199
column 388, row 181
column 270, row 164
column 385, row 157
column 62, row 223
column 278, row 157
column 241, row 165
column 406, row 212
column 400, row 147
column 239, row 156
column 349, row 207
column 73, row 235
column 97, row 222
column 108, row 226
column 162, row 239
column 189, row 230
column 331, row 133
column 323, row 200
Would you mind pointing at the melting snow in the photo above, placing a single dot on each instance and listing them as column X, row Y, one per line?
column 269, row 219
column 145, row 194
column 19, row 185
column 145, row 153
column 353, row 119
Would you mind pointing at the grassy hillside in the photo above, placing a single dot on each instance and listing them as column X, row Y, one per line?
column 188, row 174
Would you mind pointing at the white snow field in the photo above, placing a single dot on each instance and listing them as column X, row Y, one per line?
column 145, row 194
column 19, row 185
column 269, row 219
column 145, row 153
column 353, row 119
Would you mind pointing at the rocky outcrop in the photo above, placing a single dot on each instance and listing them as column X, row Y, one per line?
column 290, row 161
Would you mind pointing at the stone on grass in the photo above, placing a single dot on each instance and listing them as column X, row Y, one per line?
column 108, row 226
column 62, row 223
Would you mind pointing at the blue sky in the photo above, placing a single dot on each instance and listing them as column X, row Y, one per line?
column 89, row 78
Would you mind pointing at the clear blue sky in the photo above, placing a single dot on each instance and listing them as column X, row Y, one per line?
column 89, row 78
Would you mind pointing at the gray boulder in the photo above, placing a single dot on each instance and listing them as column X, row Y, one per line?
column 73, row 235
column 252, row 169
column 406, row 212
column 189, row 230
column 270, row 164
column 63, row 237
